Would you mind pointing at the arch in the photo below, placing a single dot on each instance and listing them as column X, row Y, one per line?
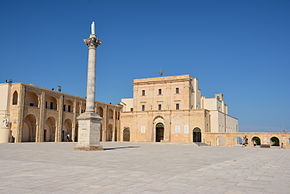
column 100, row 111
column 111, row 113
column 220, row 141
column 159, row 132
column 15, row 98
column 68, row 106
column 76, row 133
column 126, row 134
column 49, row 130
column 29, row 129
column 101, row 132
column 256, row 140
column 109, row 134
column 196, row 135
column 275, row 141
column 67, row 130
column 31, row 99
column 238, row 140
column 51, row 103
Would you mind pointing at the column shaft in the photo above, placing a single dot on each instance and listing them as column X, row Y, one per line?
column 91, row 80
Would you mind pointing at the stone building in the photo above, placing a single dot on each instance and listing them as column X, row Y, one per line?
column 40, row 115
column 172, row 109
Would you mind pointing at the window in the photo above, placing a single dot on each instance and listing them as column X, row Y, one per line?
column 131, row 109
column 177, row 90
column 143, row 107
column 51, row 105
column 31, row 104
column 15, row 98
column 63, row 107
column 68, row 108
column 159, row 106
column 45, row 104
column 159, row 91
column 143, row 92
column 177, row 106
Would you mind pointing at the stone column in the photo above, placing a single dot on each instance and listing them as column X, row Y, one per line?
column 20, row 114
column 40, row 131
column 74, row 120
column 60, row 118
column 114, row 125
column 89, row 121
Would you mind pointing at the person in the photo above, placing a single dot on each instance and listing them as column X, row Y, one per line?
column 255, row 143
column 246, row 141
column 67, row 137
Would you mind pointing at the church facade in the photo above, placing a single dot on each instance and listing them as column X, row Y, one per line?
column 172, row 109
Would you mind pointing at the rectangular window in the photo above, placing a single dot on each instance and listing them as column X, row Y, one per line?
column 177, row 90
column 159, row 107
column 177, row 106
column 143, row 107
column 143, row 92
column 45, row 104
column 63, row 107
column 131, row 109
column 68, row 108
column 159, row 91
column 51, row 105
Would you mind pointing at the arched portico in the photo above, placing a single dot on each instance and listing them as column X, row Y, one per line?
column 29, row 129
column 49, row 130
column 67, row 130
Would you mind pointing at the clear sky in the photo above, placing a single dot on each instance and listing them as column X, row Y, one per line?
column 240, row 48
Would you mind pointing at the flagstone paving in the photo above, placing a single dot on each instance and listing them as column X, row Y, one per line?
column 143, row 168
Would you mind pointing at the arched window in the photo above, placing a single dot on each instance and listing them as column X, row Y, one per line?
column 15, row 98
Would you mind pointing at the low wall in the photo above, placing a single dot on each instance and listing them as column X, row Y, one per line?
column 232, row 139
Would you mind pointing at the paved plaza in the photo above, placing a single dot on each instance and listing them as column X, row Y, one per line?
column 142, row 168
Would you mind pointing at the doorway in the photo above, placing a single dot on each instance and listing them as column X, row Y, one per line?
column 159, row 132
column 196, row 135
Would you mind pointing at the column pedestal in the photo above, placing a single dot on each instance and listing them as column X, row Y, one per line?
column 4, row 135
column 89, row 132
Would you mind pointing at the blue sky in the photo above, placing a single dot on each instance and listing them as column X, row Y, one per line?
column 239, row 48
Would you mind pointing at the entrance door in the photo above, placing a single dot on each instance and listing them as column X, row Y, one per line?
column 159, row 132
column 196, row 135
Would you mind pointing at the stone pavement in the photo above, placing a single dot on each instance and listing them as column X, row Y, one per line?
column 143, row 168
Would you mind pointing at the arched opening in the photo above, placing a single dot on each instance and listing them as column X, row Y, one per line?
column 116, row 134
column 68, row 106
column 238, row 141
column 256, row 141
column 109, row 133
column 31, row 99
column 196, row 135
column 49, row 130
column 15, row 98
column 29, row 129
column 159, row 132
column 100, row 111
column 111, row 113
column 76, row 133
column 101, row 132
column 51, row 103
column 67, row 130
column 126, row 134
column 221, row 141
column 275, row 141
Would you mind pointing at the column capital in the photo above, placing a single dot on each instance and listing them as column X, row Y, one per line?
column 92, row 42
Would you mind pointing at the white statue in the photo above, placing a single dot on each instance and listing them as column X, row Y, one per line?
column 5, row 122
column 93, row 28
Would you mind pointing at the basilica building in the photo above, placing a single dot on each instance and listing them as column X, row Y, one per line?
column 172, row 109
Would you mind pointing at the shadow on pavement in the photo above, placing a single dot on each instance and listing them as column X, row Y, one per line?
column 123, row 147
